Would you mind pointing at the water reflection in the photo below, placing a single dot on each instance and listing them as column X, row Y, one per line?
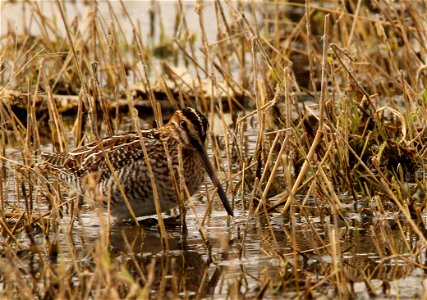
column 181, row 269
column 187, row 266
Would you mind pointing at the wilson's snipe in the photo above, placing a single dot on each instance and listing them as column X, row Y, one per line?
column 184, row 135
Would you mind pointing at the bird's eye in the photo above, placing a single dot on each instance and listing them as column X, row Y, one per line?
column 184, row 124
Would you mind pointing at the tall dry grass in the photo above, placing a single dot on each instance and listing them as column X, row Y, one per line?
column 324, row 156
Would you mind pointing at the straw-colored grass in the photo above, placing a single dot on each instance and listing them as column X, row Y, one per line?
column 318, row 130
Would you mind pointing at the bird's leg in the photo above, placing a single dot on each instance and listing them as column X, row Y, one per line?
column 184, row 230
column 182, row 213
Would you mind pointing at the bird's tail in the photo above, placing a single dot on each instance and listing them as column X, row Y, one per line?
column 54, row 159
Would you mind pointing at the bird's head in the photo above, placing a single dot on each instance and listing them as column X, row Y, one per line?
column 190, row 127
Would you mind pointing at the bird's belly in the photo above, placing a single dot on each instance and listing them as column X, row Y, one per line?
column 139, row 192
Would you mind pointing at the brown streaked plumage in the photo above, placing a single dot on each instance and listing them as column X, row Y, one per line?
column 186, row 130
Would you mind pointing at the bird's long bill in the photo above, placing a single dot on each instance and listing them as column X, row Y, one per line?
column 209, row 169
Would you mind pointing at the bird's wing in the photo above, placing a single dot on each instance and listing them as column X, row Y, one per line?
column 121, row 150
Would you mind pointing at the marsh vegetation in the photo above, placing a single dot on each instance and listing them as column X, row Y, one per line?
column 318, row 132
